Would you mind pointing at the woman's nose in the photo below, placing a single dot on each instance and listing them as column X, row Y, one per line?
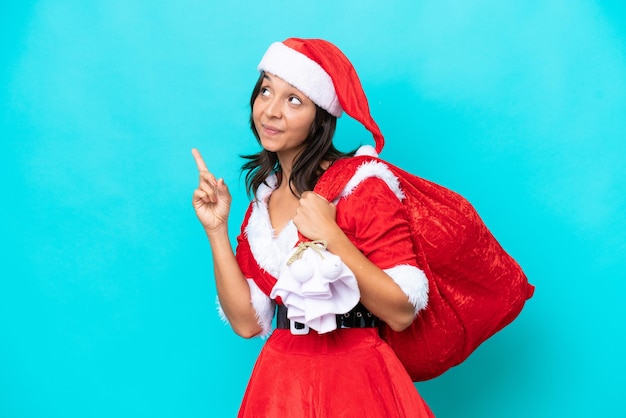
column 273, row 107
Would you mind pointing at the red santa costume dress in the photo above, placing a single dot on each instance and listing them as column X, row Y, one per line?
column 349, row 371
column 326, row 358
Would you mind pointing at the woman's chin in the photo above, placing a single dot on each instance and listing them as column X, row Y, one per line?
column 269, row 147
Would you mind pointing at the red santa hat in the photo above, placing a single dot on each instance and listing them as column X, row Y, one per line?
column 322, row 72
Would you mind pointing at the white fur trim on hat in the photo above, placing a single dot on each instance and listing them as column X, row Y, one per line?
column 304, row 74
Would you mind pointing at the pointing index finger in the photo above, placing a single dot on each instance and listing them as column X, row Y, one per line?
column 199, row 160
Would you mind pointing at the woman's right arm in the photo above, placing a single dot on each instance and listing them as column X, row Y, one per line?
column 211, row 201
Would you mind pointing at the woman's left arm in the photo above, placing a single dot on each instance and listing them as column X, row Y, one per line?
column 316, row 220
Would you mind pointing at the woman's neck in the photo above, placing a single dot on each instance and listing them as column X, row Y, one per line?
column 286, row 164
column 285, row 160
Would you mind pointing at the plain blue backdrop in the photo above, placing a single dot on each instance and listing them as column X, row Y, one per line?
column 107, row 301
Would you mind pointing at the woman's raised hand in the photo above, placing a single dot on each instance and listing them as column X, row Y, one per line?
column 211, row 199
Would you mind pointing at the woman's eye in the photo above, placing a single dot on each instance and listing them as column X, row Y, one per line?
column 295, row 100
column 265, row 91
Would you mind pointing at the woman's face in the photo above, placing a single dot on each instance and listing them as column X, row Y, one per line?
column 282, row 116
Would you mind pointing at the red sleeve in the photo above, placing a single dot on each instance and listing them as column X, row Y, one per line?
column 376, row 222
column 242, row 252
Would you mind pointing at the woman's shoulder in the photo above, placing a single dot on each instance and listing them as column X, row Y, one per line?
column 348, row 176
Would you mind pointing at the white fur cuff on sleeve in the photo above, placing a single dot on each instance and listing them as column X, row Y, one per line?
column 262, row 304
column 413, row 283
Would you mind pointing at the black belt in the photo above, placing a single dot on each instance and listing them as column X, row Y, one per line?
column 358, row 317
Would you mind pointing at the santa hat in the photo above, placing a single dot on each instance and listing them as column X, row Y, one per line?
column 321, row 71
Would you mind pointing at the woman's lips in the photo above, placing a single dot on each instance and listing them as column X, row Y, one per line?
column 271, row 130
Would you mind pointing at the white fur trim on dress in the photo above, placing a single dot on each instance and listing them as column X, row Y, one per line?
column 373, row 169
column 303, row 73
column 263, row 306
column 413, row 283
column 268, row 251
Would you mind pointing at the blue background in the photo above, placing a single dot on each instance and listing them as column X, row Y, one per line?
column 106, row 290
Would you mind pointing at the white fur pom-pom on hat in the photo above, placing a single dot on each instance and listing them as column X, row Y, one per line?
column 366, row 150
column 321, row 71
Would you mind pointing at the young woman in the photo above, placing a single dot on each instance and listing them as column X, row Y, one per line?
column 325, row 358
